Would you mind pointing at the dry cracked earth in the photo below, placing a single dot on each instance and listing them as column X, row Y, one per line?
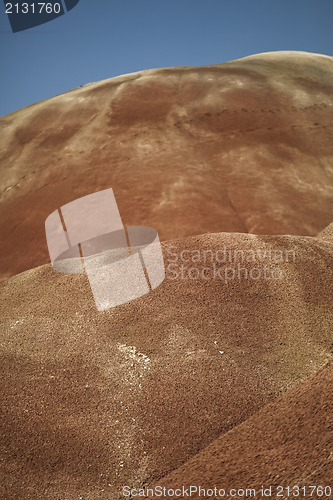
column 221, row 376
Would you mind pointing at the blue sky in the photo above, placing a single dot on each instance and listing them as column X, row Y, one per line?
column 99, row 39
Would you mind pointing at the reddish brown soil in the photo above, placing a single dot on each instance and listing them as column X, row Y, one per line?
column 85, row 414
column 287, row 443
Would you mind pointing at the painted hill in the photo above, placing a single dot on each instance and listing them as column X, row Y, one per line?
column 243, row 146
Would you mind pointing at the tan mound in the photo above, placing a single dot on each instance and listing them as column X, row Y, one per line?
column 93, row 401
column 327, row 233
column 244, row 146
column 289, row 443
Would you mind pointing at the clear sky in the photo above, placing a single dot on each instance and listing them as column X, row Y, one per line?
column 99, row 39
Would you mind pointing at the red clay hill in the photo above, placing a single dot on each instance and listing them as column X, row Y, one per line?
column 243, row 146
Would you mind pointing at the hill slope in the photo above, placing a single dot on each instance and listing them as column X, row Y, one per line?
column 243, row 146
column 287, row 444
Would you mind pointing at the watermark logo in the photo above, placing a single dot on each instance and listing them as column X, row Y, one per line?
column 227, row 264
column 24, row 15
column 122, row 263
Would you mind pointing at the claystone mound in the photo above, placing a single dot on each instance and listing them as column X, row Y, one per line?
column 91, row 399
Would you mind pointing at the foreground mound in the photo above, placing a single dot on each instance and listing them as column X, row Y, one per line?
column 91, row 399
column 288, row 444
